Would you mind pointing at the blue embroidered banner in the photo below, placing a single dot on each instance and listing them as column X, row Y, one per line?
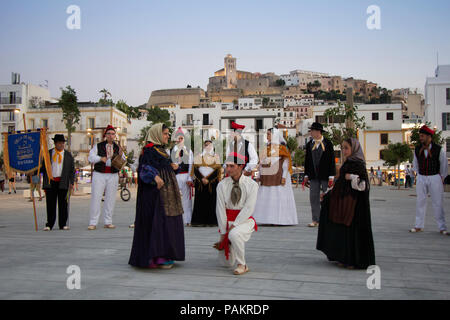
column 23, row 149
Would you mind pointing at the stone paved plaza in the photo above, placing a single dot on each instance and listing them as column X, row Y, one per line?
column 283, row 260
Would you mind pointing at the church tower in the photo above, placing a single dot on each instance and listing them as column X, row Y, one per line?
column 230, row 71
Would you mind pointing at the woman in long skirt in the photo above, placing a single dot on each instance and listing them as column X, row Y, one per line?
column 159, row 231
column 207, row 173
column 276, row 203
column 345, row 231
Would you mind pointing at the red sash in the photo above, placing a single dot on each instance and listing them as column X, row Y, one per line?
column 225, row 244
column 107, row 169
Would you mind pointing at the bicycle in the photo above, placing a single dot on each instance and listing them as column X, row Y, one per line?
column 125, row 194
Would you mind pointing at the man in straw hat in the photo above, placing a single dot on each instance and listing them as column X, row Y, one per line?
column 236, row 200
column 63, row 171
column 430, row 163
column 105, row 179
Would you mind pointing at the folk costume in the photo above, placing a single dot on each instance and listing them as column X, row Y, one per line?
column 159, row 231
column 206, row 165
column 345, row 231
column 105, row 179
column 235, row 206
column 276, row 203
column 430, row 163
column 243, row 147
column 320, row 168
column 57, row 190
column 184, row 157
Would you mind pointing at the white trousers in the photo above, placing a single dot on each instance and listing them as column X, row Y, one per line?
column 238, row 236
column 186, row 200
column 433, row 185
column 107, row 183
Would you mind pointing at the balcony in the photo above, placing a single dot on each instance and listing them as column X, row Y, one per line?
column 8, row 100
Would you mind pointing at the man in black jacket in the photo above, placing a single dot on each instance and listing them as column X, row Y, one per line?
column 56, row 190
column 320, row 168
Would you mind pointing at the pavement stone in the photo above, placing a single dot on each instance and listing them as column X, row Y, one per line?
column 283, row 260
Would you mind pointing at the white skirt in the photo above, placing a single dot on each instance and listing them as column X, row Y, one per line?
column 276, row 205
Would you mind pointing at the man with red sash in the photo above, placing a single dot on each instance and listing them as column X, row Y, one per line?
column 105, row 179
column 236, row 200
column 431, row 166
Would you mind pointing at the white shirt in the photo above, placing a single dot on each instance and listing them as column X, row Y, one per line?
column 253, row 156
column 57, row 167
column 191, row 159
column 95, row 158
column 442, row 160
column 246, row 204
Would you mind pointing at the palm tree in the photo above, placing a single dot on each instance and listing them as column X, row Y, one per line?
column 104, row 100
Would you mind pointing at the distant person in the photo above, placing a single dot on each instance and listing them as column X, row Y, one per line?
column 12, row 182
column 380, row 176
column 372, row 176
column 408, row 171
column 2, row 178
column 35, row 184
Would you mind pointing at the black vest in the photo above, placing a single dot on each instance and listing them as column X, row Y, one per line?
column 431, row 165
column 243, row 151
column 101, row 152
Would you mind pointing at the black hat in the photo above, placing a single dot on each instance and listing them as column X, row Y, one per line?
column 59, row 137
column 316, row 126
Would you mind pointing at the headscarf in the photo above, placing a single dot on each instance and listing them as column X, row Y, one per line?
column 357, row 153
column 276, row 144
column 154, row 134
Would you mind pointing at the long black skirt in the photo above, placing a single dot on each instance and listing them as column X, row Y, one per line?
column 352, row 245
column 204, row 212
column 155, row 234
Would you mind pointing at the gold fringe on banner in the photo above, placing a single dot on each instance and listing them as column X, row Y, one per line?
column 6, row 155
column 45, row 154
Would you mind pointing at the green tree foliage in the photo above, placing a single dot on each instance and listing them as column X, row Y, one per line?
column 396, row 153
column 280, row 83
column 158, row 115
column 105, row 100
column 437, row 137
column 299, row 158
column 71, row 113
column 336, row 126
column 291, row 144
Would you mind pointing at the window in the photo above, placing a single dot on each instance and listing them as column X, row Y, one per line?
column 44, row 123
column 321, row 119
column 384, row 138
column 381, row 155
column 448, row 95
column 390, row 116
column 32, row 124
column 206, row 119
column 374, row 115
column 91, row 123
column 446, row 122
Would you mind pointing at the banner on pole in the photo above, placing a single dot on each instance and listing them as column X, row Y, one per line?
column 24, row 151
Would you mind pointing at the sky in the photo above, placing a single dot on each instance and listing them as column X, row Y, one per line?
column 134, row 47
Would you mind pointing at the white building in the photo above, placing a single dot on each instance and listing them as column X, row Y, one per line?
column 19, row 96
column 301, row 78
column 384, row 125
column 437, row 102
column 94, row 119
column 249, row 103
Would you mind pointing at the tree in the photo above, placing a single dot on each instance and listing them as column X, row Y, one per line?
column 437, row 137
column 280, row 83
column 299, row 158
column 71, row 113
column 142, row 134
column 130, row 157
column 337, row 119
column 104, row 101
column 291, row 144
column 265, row 101
column 396, row 153
column 158, row 115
